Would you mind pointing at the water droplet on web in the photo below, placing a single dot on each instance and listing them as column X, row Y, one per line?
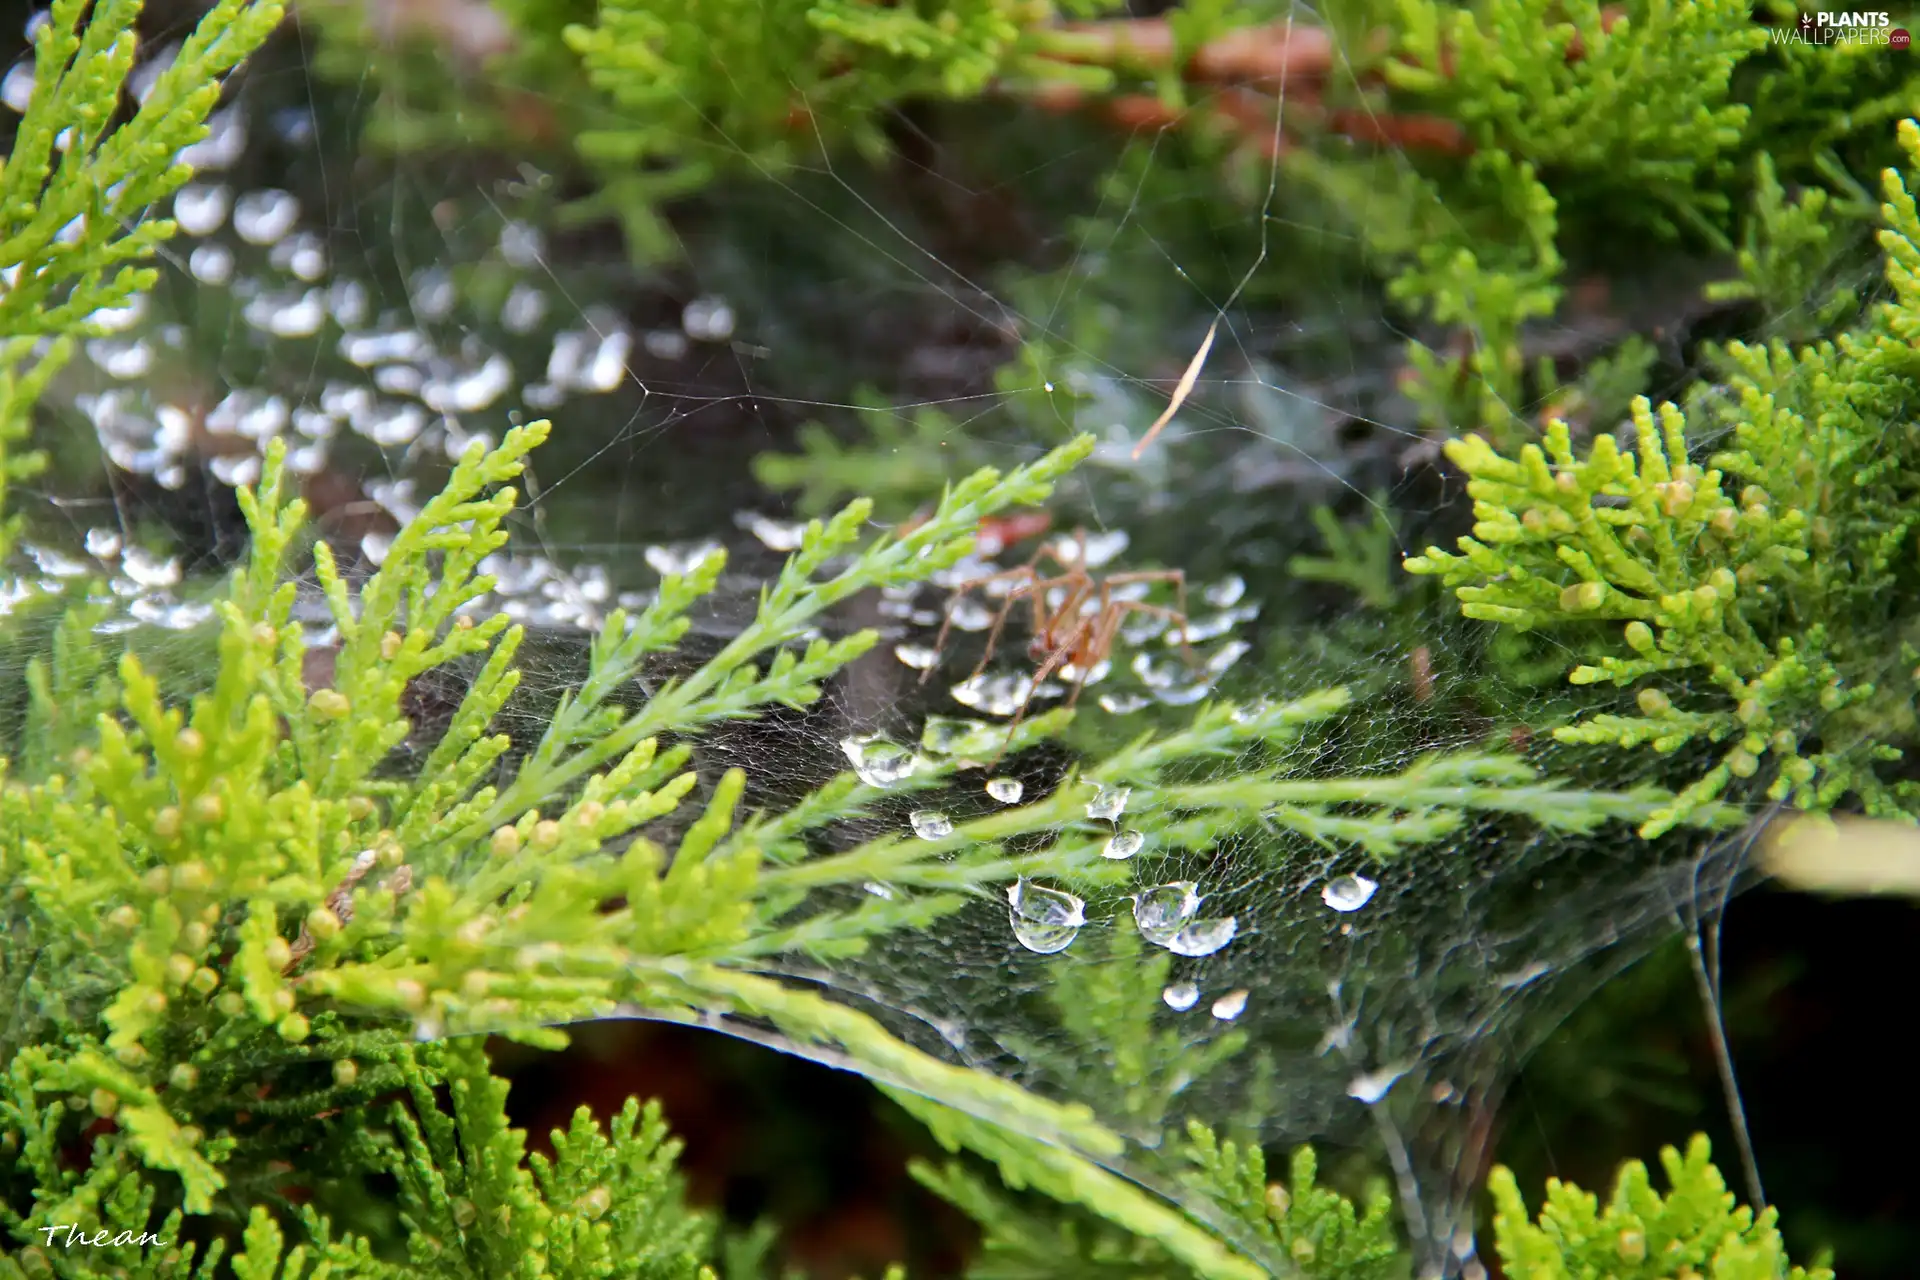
column 1124, row 844
column 1093, row 675
column 951, row 736
column 1108, row 803
column 968, row 614
column 1162, row 911
column 200, row 208
column 775, row 535
column 150, row 570
column 1372, row 1086
column 1006, row 790
column 1203, row 937
column 1123, row 704
column 1181, row 996
column 1348, row 893
column 918, row 656
column 1101, row 547
column 262, row 217
column 678, row 561
column 1184, row 696
column 878, row 890
column 1230, row 1006
column 1210, row 627
column 995, row 695
column 1044, row 920
column 1163, row 673
column 1228, row 654
column 708, row 320
column 16, row 91
column 211, row 264
column 879, row 763
column 1226, row 592
column 103, row 544
column 931, row 824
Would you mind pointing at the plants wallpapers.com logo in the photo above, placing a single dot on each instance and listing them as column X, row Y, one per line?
column 1870, row 27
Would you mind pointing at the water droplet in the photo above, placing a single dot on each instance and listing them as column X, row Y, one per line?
column 1348, row 893
column 1124, row 844
column 879, row 763
column 1225, row 593
column 950, row 736
column 1227, row 654
column 878, row 890
column 225, row 143
column 1204, row 937
column 1093, row 675
column 1181, row 996
column 1373, row 1085
column 994, row 695
column 1162, row 911
column 211, row 264
column 262, row 217
column 1184, row 696
column 678, row 561
column 1101, row 547
column 920, row 657
column 1162, row 673
column 1044, row 920
column 1108, row 803
column 708, row 320
column 292, row 314
column 1006, row 790
column 1123, row 704
column 16, row 91
column 1231, row 1005
column 521, row 244
column 523, row 310
column 775, row 535
column 103, row 544
column 200, row 208
column 665, row 344
column 968, row 614
column 471, row 390
column 1210, row 627
column 150, row 570
column 931, row 824
column 432, row 291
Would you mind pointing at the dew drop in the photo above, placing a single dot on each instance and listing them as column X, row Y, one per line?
column 1181, row 996
column 1228, row 654
column 1044, row 920
column 678, row 561
column 262, row 217
column 1162, row 911
column 968, row 614
column 1123, row 704
column 1124, row 844
column 1348, row 893
column 1203, row 937
column 1231, row 1005
column 931, row 824
column 951, row 736
column 775, row 535
column 879, row 763
column 1006, row 790
column 994, row 695
column 200, row 208
column 878, row 890
column 1372, row 1086
column 1101, row 547
column 1225, row 593
column 103, row 544
column 708, row 320
column 1109, row 803
column 920, row 657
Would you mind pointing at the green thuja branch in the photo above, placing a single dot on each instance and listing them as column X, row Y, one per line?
column 1694, row 1230
column 1774, row 571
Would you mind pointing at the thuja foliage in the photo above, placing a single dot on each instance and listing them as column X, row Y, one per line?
column 1754, row 598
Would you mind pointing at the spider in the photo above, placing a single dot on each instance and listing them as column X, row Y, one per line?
column 1075, row 616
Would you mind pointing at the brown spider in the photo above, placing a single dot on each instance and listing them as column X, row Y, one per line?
column 1065, row 632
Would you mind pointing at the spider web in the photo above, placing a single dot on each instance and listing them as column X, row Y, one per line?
column 379, row 314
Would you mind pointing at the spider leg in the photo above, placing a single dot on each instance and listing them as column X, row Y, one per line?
column 1047, row 668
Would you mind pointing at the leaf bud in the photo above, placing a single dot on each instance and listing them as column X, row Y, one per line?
column 1639, row 637
column 282, row 1001
column 322, row 923
column 1279, row 1201
column 465, row 1211
column 158, row 880
column 1749, row 710
column 190, row 743
column 196, row 936
column 593, row 1205
column 1534, row 521
column 411, row 994
column 506, row 842
column 294, row 1027
column 1741, row 763
column 345, row 1072
column 1679, row 497
column 1754, row 495
column 1632, row 1246
column 179, row 969
column 131, row 1055
column 264, row 635
column 192, row 877
column 154, row 1002
column 1725, row 522
column 1303, row 1249
column 1653, row 702
column 329, row 704
column 209, row 808
column 464, row 622
column 476, row 983
column 546, row 833
column 204, row 981
column 104, row 1103
column 590, row 813
column 1567, row 482
column 279, row 953
column 360, row 808
column 192, row 1135
column 230, row 1004
column 390, row 645
column 184, row 1076
column 166, row 822
column 124, row 917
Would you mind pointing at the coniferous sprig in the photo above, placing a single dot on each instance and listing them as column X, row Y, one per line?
column 1693, row 1230
column 1772, row 574
column 75, row 190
